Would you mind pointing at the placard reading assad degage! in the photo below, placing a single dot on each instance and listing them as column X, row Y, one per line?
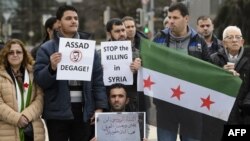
column 77, row 59
column 116, row 58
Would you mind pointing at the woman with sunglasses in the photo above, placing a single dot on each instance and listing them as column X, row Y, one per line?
column 21, row 100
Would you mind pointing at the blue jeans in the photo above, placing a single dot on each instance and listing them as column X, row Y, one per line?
column 166, row 135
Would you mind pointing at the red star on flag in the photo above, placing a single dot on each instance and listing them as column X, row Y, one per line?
column 206, row 102
column 25, row 85
column 177, row 92
column 148, row 83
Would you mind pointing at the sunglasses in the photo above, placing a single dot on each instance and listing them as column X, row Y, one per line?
column 12, row 52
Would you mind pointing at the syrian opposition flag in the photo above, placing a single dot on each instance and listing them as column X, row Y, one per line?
column 188, row 82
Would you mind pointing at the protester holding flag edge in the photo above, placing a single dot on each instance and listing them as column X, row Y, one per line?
column 235, row 59
column 181, row 37
column 215, row 103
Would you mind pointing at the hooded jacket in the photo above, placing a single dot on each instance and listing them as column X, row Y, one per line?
column 197, row 46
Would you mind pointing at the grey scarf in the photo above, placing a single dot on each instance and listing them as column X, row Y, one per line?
column 235, row 60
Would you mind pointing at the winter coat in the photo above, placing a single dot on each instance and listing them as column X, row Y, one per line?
column 215, row 46
column 197, row 46
column 243, row 68
column 174, row 118
column 57, row 102
column 9, row 114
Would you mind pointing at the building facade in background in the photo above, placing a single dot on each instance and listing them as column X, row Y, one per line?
column 24, row 19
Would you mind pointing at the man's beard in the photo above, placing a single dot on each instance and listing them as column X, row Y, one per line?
column 119, row 39
column 118, row 109
column 207, row 35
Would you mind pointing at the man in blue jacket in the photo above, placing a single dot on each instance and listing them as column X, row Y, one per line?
column 69, row 106
column 171, row 118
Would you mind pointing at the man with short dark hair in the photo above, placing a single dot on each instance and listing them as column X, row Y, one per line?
column 205, row 28
column 136, row 99
column 118, row 98
column 69, row 105
column 181, row 37
column 133, row 34
column 117, row 32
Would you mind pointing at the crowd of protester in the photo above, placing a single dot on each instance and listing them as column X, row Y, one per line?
column 30, row 91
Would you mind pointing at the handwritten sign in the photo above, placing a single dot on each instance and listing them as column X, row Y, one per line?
column 125, row 126
column 116, row 59
column 77, row 59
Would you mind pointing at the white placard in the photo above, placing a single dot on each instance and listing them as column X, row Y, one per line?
column 124, row 126
column 116, row 58
column 77, row 59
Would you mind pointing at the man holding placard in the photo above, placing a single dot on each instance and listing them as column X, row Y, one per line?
column 117, row 60
column 70, row 101
column 118, row 100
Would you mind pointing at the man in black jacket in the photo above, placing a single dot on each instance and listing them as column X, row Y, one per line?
column 205, row 28
column 136, row 98
column 116, row 31
column 235, row 58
